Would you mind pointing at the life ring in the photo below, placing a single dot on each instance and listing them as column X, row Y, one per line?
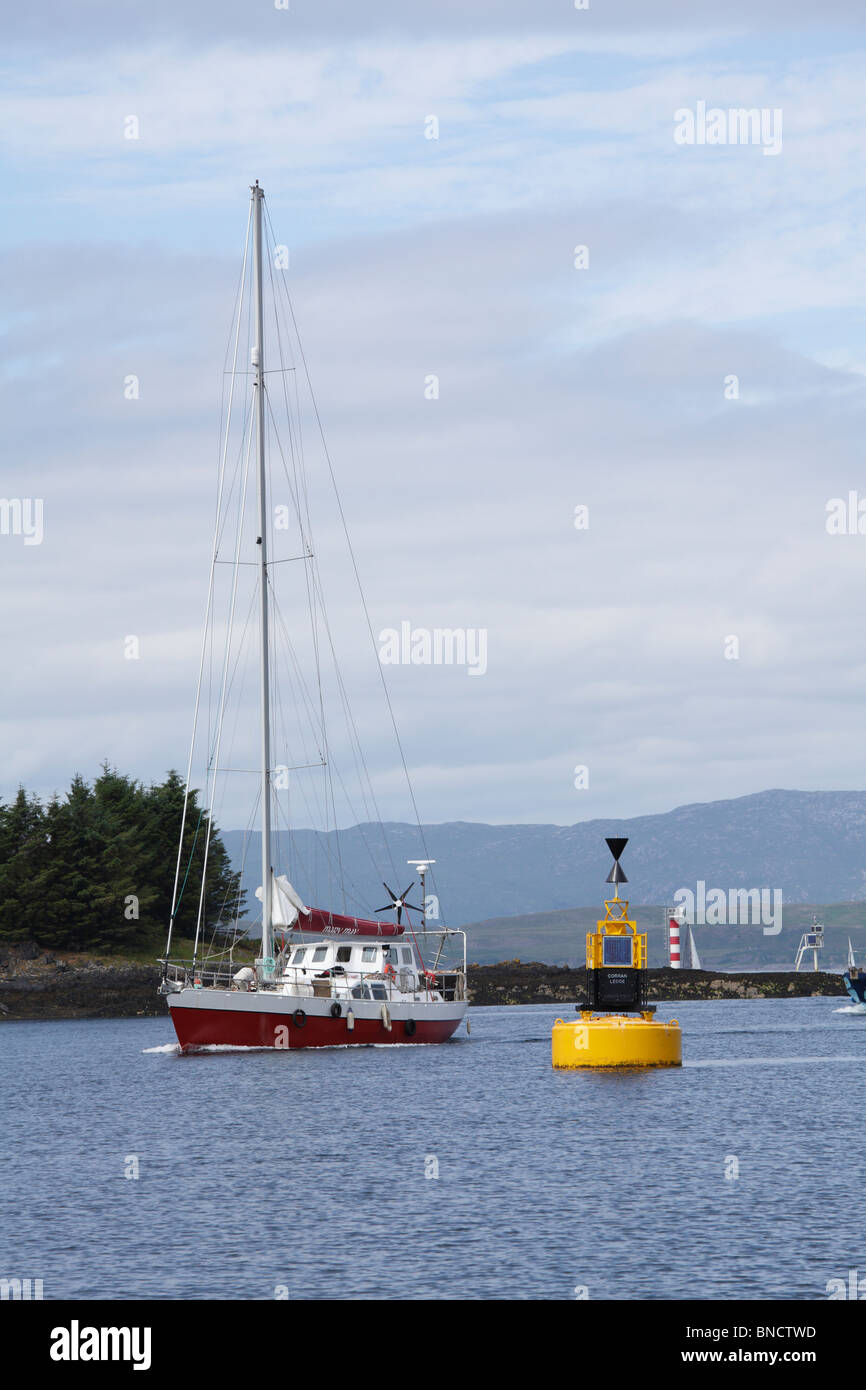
column 300, row 1018
column 409, row 1027
column 336, row 1010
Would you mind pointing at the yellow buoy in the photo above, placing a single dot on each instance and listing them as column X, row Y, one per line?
column 616, row 1027
column 617, row 1040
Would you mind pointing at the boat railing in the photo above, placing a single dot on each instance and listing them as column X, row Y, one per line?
column 187, row 972
column 445, row 980
column 449, row 983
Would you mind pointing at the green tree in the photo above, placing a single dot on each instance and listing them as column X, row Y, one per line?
column 223, row 899
column 23, row 849
column 97, row 869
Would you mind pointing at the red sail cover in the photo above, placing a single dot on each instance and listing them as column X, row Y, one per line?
column 335, row 924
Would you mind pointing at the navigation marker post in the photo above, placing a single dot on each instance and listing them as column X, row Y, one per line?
column 813, row 940
column 616, row 1027
column 675, row 920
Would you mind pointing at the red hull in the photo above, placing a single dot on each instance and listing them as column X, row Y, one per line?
column 226, row 1027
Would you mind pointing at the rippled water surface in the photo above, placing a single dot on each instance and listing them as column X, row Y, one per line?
column 307, row 1169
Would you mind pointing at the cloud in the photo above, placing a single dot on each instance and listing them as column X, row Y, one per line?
column 556, row 387
column 95, row 24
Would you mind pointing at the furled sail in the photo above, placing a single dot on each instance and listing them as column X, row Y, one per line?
column 337, row 924
column 286, row 905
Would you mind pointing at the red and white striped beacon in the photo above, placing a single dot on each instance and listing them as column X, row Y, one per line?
column 674, row 924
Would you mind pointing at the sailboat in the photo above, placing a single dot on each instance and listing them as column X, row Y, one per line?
column 694, row 958
column 855, row 977
column 323, row 977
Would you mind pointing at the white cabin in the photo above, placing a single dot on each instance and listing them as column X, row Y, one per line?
column 355, row 970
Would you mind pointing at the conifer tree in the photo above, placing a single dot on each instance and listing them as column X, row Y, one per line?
column 22, row 845
column 96, row 869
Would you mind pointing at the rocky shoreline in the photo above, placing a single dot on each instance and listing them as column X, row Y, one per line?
column 531, row 982
column 44, row 985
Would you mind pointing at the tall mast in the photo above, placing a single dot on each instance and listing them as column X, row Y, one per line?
column 258, row 363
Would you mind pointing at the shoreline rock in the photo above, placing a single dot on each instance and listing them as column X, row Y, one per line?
column 61, row 985
column 532, row 982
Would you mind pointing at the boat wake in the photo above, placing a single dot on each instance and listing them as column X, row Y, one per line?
column 208, row 1047
column 851, row 1009
column 176, row 1049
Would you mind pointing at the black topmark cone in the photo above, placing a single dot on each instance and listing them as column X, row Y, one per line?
column 617, row 873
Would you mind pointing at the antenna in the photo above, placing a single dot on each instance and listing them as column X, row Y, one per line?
column 422, row 865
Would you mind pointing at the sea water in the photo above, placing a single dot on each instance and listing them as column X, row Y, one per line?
column 469, row 1170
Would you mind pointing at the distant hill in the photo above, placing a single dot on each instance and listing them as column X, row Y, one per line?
column 809, row 845
column 559, row 938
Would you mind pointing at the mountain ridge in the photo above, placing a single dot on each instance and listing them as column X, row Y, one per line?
column 810, row 846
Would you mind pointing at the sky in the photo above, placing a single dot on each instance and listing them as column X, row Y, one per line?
column 696, row 382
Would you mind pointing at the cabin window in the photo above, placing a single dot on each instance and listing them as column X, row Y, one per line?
column 319, row 954
column 299, row 955
column 344, row 954
column 368, row 953
column 407, row 955
column 379, row 991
